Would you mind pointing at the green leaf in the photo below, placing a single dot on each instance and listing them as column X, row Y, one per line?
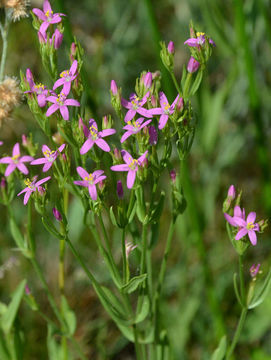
column 112, row 216
column 49, row 226
column 114, row 300
column 4, row 353
column 196, row 83
column 69, row 315
column 133, row 284
column 143, row 310
column 262, row 293
column 220, row 351
column 16, row 234
column 54, row 350
column 9, row 316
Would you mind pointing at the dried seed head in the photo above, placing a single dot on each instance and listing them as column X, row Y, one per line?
column 19, row 8
column 10, row 93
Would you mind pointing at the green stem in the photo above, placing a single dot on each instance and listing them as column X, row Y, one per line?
column 187, row 85
column 125, row 266
column 237, row 333
column 176, row 83
column 4, row 33
column 241, row 275
column 49, row 295
column 137, row 346
column 144, row 249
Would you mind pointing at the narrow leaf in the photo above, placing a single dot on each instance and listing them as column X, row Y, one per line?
column 133, row 284
column 220, row 351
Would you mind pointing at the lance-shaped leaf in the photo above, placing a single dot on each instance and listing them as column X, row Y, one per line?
column 69, row 315
column 9, row 316
column 220, row 351
column 133, row 284
column 261, row 294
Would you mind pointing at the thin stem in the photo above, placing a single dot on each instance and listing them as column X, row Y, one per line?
column 176, row 83
column 237, row 333
column 137, row 346
column 144, row 249
column 4, row 33
column 242, row 283
column 49, row 295
column 125, row 266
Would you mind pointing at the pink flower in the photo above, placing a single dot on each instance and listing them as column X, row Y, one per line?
column 198, row 41
column 39, row 89
column 131, row 165
column 66, row 78
column 133, row 127
column 32, row 187
column 95, row 137
column 47, row 16
column 16, row 161
column 135, row 105
column 114, row 88
column 171, row 47
column 90, row 180
column 245, row 226
column 1, row 143
column 49, row 157
column 61, row 103
column 165, row 110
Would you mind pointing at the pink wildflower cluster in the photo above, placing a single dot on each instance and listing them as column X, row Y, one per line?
column 47, row 18
column 245, row 225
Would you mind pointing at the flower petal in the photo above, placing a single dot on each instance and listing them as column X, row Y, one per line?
column 10, row 169
column 53, row 108
column 129, row 115
column 107, row 132
column 23, row 169
column 16, row 150
column 252, row 237
column 86, row 146
column 131, row 178
column 64, row 112
column 72, row 102
column 125, row 136
column 163, row 121
column 92, row 192
column 82, row 172
column 121, row 167
column 102, row 145
column 241, row 233
column 38, row 183
column 251, row 217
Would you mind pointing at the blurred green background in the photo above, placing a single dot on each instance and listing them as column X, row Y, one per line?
column 232, row 146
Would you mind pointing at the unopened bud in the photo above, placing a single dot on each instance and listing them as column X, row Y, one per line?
column 117, row 154
column 57, row 214
column 171, row 47
column 173, row 175
column 41, row 190
column 24, row 140
column 3, row 183
column 153, row 135
column 73, row 49
column 231, row 192
column 119, row 189
column 80, row 123
column 114, row 88
column 27, row 290
column 105, row 122
column 179, row 105
column 192, row 65
column 101, row 185
column 57, row 39
column 148, row 80
column 153, row 101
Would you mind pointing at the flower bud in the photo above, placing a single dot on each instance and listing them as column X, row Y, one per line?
column 80, row 123
column 27, row 290
column 114, row 88
column 231, row 192
column 171, row 47
column 1, row 143
column 42, row 39
column 148, row 80
column 173, row 175
column 179, row 105
column 73, row 49
column 119, row 189
column 41, row 190
column 24, row 140
column 3, row 183
column 101, row 185
column 57, row 214
column 117, row 154
column 192, row 65
column 153, row 101
column 57, row 39
column 153, row 135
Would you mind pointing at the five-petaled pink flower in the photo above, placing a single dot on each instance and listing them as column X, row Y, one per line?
column 198, row 41
column 90, row 180
column 165, row 110
column 133, row 127
column 135, row 105
column 47, row 16
column 131, row 165
column 16, row 161
column 245, row 226
column 61, row 103
column 49, row 157
column 39, row 89
column 32, row 186
column 66, row 78
column 95, row 137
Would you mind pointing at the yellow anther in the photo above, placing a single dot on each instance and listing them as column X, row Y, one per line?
column 15, row 157
column 49, row 13
column 64, row 73
column 200, row 34
column 89, row 178
column 27, row 182
column 250, row 225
